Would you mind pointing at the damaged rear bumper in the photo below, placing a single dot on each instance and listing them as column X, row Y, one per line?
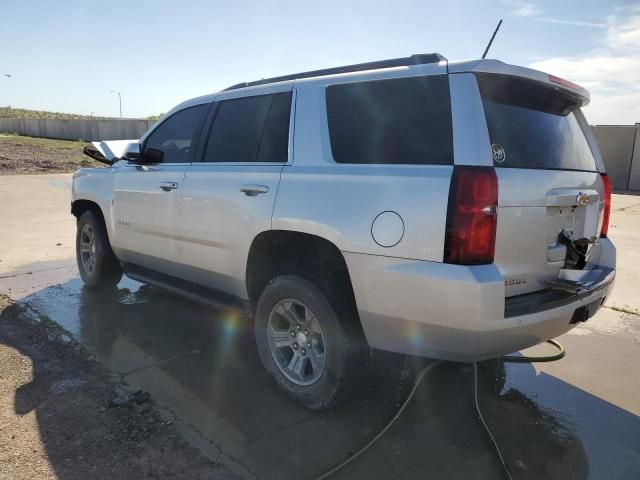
column 460, row 313
column 561, row 293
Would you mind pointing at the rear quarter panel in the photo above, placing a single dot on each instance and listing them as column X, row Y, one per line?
column 339, row 202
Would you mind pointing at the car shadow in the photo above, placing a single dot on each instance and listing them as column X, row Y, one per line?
column 202, row 365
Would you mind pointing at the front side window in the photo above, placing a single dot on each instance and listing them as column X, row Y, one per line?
column 177, row 136
column 250, row 129
column 397, row 121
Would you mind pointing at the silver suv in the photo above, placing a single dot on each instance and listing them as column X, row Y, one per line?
column 448, row 210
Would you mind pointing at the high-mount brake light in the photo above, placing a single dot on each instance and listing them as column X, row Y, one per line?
column 565, row 83
column 606, row 212
column 470, row 235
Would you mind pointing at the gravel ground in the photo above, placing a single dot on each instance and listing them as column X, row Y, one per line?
column 58, row 419
column 28, row 155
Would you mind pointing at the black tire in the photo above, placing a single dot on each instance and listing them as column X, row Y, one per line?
column 105, row 269
column 342, row 340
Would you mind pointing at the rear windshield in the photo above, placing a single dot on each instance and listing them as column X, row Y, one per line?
column 399, row 121
column 534, row 126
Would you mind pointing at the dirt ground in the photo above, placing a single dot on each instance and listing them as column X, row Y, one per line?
column 25, row 155
column 58, row 420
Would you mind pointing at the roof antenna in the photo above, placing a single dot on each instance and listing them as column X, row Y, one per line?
column 486, row 50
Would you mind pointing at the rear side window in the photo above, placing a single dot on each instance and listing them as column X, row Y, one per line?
column 398, row 121
column 177, row 136
column 532, row 125
column 250, row 129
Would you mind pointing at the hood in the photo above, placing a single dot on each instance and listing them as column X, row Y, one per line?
column 110, row 151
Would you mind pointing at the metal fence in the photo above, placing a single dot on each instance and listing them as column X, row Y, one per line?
column 620, row 144
column 87, row 130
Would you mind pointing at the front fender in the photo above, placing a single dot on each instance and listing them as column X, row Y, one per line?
column 95, row 185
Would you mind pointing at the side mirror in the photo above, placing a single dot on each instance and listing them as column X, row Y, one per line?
column 152, row 155
column 149, row 156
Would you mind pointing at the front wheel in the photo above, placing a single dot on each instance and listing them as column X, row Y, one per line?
column 97, row 264
column 313, row 355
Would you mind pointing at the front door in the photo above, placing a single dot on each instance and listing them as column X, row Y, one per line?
column 228, row 197
column 146, row 197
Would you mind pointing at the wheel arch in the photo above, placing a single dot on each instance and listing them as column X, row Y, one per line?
column 79, row 207
column 280, row 252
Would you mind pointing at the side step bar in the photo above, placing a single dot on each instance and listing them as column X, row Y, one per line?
column 191, row 291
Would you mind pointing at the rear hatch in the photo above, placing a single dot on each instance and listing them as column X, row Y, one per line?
column 550, row 190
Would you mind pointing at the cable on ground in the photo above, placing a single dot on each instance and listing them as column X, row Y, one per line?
column 346, row 462
column 507, row 358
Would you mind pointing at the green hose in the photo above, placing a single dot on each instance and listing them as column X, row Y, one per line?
column 346, row 462
column 545, row 358
column 421, row 375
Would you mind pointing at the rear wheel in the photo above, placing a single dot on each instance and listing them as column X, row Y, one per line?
column 97, row 264
column 313, row 355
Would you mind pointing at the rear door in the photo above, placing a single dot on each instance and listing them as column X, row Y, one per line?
column 228, row 196
column 550, row 190
column 146, row 197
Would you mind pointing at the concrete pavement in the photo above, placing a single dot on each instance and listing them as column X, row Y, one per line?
column 36, row 229
column 624, row 230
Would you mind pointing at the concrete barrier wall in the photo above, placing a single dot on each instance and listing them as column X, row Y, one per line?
column 617, row 146
column 634, row 172
column 87, row 130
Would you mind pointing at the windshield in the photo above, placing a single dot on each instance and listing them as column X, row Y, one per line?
column 533, row 126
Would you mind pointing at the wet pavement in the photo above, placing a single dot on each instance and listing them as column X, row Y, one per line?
column 200, row 365
column 575, row 418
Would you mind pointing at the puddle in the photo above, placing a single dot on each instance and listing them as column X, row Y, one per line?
column 201, row 365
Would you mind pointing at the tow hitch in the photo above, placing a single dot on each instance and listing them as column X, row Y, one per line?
column 584, row 313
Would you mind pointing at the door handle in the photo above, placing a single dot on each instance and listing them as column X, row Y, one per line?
column 168, row 186
column 253, row 190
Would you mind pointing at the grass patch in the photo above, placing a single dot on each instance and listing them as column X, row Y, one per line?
column 21, row 140
column 8, row 112
column 26, row 155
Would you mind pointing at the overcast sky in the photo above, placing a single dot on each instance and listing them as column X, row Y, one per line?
column 67, row 55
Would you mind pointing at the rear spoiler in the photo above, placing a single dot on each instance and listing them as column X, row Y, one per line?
column 110, row 151
column 501, row 68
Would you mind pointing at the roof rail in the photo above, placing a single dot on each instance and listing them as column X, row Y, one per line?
column 416, row 59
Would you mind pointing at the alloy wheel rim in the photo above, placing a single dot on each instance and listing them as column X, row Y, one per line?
column 88, row 249
column 296, row 342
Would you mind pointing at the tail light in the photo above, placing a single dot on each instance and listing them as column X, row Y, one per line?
column 606, row 213
column 470, row 236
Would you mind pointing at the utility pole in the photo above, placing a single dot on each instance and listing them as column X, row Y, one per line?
column 119, row 99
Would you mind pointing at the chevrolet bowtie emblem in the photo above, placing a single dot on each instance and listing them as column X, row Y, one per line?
column 582, row 198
